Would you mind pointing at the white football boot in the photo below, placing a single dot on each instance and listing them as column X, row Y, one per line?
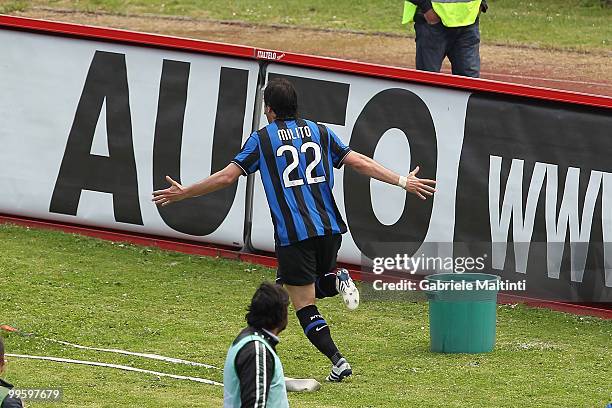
column 346, row 287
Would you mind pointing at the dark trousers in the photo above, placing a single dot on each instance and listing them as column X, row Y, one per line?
column 460, row 44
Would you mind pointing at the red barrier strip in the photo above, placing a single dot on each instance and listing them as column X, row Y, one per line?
column 333, row 64
column 265, row 260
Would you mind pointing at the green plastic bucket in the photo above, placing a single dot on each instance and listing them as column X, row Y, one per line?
column 462, row 318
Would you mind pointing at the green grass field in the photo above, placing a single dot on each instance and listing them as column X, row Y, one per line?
column 104, row 294
column 574, row 24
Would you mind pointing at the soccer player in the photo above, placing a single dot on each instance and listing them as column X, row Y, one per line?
column 6, row 401
column 253, row 374
column 295, row 158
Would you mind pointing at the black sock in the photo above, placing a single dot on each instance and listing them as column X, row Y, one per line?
column 317, row 331
column 325, row 286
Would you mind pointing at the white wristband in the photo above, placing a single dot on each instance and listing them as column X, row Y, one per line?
column 402, row 182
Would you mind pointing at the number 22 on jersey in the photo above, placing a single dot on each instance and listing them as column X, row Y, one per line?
column 295, row 161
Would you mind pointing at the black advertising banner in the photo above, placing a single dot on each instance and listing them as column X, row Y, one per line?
column 535, row 184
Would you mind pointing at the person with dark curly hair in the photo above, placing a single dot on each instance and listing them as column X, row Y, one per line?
column 253, row 374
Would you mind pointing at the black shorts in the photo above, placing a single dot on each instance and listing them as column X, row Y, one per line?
column 302, row 263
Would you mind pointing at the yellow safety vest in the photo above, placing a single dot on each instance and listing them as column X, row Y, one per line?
column 453, row 13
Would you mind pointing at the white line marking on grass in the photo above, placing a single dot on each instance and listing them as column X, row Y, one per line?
column 117, row 366
column 132, row 353
column 151, row 356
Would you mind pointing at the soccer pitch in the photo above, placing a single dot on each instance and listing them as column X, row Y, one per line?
column 102, row 294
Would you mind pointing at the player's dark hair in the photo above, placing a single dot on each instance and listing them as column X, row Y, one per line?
column 281, row 97
column 268, row 308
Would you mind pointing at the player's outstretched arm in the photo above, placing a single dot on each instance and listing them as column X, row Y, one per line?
column 176, row 192
column 371, row 168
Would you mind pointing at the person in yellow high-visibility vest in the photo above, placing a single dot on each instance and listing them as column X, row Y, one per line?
column 446, row 28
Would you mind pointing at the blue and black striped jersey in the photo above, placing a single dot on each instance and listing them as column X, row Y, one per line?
column 295, row 160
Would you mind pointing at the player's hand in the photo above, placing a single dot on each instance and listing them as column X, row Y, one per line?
column 176, row 192
column 431, row 17
column 422, row 188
